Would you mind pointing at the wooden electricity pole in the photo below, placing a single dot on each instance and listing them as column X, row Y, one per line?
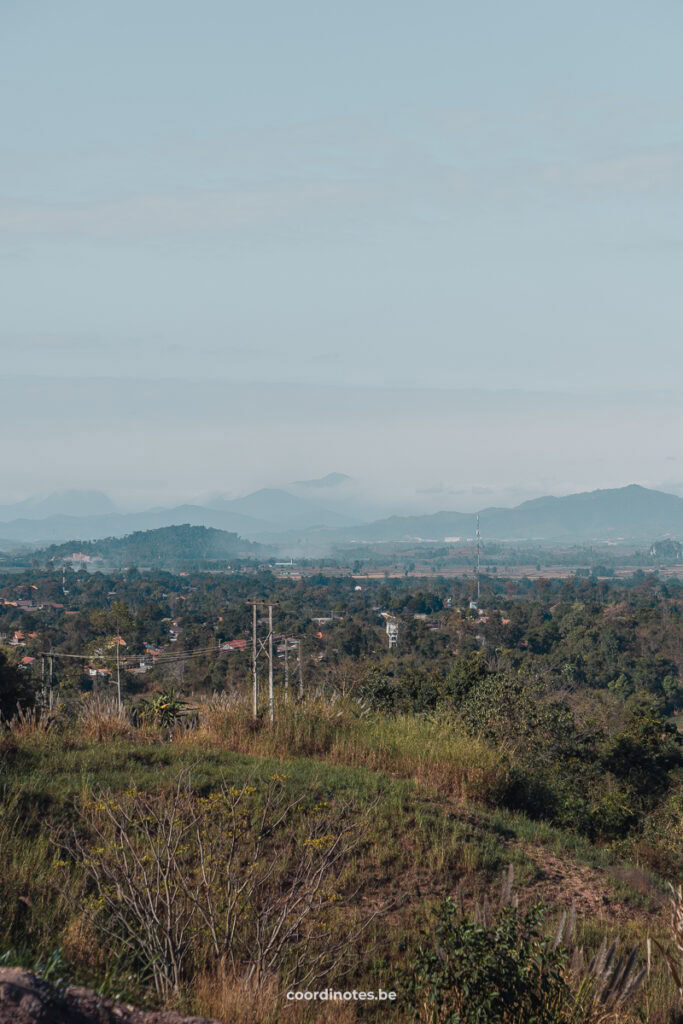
column 271, row 696
column 286, row 669
column 118, row 670
column 301, row 678
column 51, row 662
column 254, row 677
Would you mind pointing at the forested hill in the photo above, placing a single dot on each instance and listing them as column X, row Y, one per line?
column 169, row 545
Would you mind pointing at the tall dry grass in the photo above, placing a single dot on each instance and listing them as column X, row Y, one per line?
column 30, row 723
column 92, row 717
column 241, row 1001
column 431, row 749
column 99, row 718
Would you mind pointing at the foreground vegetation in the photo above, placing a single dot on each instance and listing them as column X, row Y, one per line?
column 363, row 821
column 179, row 851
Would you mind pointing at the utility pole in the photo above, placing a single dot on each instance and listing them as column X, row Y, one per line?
column 118, row 668
column 301, row 678
column 51, row 662
column 271, row 697
column 254, row 677
column 286, row 669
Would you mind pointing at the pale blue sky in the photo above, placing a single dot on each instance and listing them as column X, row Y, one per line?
column 443, row 194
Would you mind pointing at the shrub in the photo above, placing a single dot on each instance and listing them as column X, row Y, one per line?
column 165, row 709
column 15, row 687
column 497, row 967
column 467, row 973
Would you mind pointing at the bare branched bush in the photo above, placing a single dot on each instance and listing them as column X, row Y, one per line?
column 245, row 879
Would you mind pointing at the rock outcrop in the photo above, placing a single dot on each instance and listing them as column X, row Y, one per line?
column 27, row 999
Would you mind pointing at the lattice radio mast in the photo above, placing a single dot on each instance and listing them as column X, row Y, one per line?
column 478, row 561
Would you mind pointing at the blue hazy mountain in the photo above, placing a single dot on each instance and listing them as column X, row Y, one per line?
column 628, row 513
column 263, row 513
column 284, row 511
column 324, row 482
column 56, row 529
column 59, row 503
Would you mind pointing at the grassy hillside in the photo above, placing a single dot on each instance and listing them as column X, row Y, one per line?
column 181, row 852
column 418, row 798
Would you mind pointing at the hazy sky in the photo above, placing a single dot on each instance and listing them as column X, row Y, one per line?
column 381, row 195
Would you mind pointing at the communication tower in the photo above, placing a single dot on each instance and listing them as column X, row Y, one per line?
column 478, row 561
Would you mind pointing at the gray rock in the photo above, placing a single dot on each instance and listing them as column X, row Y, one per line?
column 26, row 999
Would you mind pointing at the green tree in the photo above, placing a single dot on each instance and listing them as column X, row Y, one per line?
column 15, row 687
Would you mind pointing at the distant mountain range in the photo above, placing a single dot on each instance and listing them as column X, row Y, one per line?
column 279, row 516
column 55, row 529
column 266, row 512
column 283, row 511
column 61, row 503
column 628, row 513
column 331, row 480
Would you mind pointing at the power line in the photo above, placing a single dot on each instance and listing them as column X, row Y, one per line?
column 166, row 659
column 256, row 644
column 129, row 658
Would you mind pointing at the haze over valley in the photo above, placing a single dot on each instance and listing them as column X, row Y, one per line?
column 292, row 520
